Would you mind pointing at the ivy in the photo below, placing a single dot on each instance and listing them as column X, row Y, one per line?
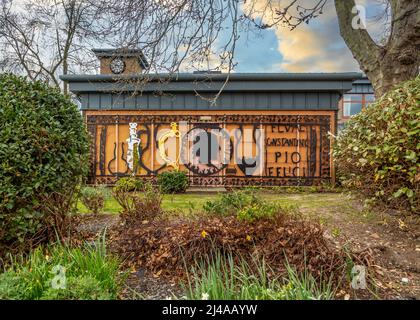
column 378, row 152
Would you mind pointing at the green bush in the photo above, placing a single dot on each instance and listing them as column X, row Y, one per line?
column 378, row 152
column 129, row 184
column 141, row 206
column 139, row 201
column 232, row 202
column 93, row 198
column 43, row 157
column 89, row 273
column 247, row 205
column 265, row 210
column 173, row 182
column 324, row 187
column 123, row 190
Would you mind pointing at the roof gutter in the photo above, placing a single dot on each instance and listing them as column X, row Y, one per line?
column 238, row 82
column 183, row 77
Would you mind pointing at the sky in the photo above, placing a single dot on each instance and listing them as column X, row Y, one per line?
column 317, row 47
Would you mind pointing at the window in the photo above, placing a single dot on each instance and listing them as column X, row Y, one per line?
column 354, row 103
column 351, row 108
column 369, row 98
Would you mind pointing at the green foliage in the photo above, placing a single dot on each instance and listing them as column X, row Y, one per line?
column 379, row 150
column 146, row 205
column 223, row 278
column 265, row 210
column 123, row 190
column 232, row 202
column 173, row 182
column 129, row 184
column 305, row 287
column 43, row 150
column 247, row 205
column 93, row 198
column 80, row 288
column 90, row 274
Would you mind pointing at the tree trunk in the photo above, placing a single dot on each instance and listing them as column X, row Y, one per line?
column 393, row 63
column 65, row 72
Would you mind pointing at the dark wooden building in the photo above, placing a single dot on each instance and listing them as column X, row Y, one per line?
column 268, row 129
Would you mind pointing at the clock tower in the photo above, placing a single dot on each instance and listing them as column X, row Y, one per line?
column 121, row 61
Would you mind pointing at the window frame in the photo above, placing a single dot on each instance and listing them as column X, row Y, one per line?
column 363, row 101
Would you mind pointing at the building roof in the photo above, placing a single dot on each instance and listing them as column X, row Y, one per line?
column 239, row 82
column 187, row 91
column 347, row 76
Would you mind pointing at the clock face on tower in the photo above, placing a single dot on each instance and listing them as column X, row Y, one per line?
column 117, row 66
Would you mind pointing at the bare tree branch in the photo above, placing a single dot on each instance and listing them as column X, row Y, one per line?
column 45, row 38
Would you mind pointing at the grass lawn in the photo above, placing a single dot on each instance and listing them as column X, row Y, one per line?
column 184, row 203
column 190, row 203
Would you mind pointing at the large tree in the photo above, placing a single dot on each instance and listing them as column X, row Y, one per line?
column 398, row 59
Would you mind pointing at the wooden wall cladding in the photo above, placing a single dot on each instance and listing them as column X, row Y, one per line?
column 274, row 149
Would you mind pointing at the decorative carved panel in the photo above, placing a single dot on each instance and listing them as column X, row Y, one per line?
column 283, row 150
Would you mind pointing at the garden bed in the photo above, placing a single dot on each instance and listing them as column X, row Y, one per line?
column 166, row 247
column 389, row 237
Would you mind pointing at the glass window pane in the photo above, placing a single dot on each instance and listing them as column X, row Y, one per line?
column 353, row 97
column 369, row 98
column 351, row 108
column 356, row 108
column 346, row 109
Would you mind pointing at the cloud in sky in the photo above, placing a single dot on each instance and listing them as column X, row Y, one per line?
column 317, row 47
